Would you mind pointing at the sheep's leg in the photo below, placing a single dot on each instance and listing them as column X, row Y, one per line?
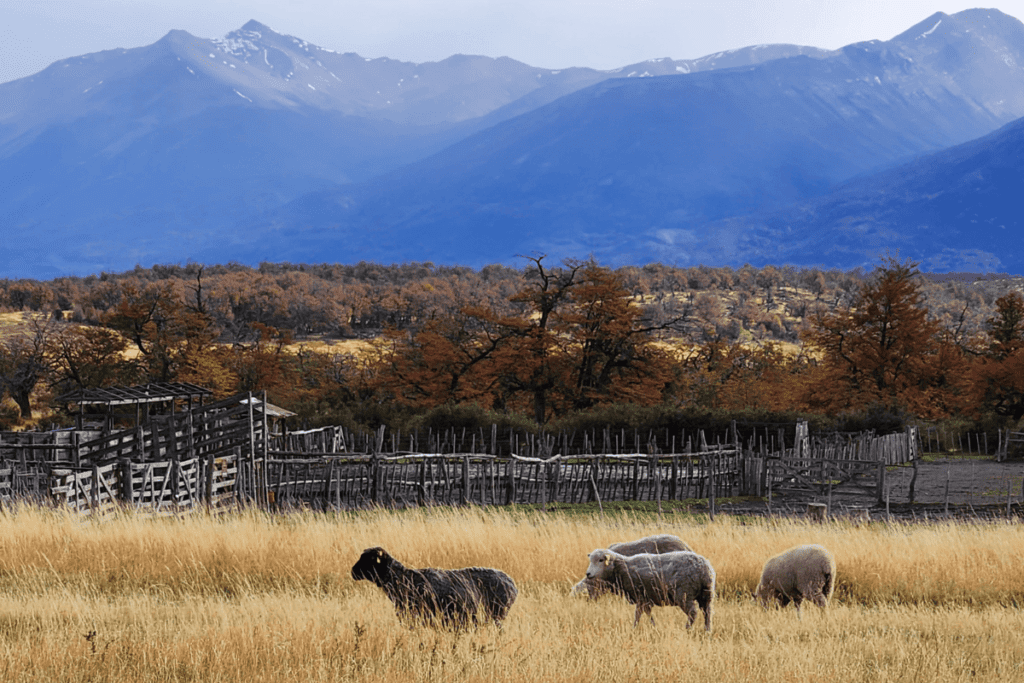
column 690, row 609
column 642, row 608
column 705, row 605
column 797, row 599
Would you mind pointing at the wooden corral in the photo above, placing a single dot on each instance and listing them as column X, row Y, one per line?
column 208, row 456
column 226, row 453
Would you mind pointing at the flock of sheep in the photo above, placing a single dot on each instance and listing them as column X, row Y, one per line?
column 653, row 571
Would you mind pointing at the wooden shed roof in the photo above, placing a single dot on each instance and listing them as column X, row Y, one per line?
column 155, row 392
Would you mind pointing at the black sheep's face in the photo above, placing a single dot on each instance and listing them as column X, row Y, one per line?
column 373, row 565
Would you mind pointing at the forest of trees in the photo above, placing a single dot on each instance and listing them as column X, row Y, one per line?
column 547, row 344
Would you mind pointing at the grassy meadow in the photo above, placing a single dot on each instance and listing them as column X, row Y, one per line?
column 258, row 597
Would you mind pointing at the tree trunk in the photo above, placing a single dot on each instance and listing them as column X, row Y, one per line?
column 22, row 399
column 540, row 405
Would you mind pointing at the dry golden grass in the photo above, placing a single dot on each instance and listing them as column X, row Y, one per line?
column 254, row 597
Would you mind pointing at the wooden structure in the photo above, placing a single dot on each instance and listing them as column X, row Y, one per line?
column 1009, row 442
column 417, row 479
column 226, row 453
column 207, row 456
column 111, row 405
column 831, row 464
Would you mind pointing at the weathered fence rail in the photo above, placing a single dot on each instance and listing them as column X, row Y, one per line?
column 161, row 487
column 208, row 456
column 224, row 453
column 416, row 479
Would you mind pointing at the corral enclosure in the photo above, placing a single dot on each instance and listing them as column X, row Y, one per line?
column 236, row 452
column 226, row 453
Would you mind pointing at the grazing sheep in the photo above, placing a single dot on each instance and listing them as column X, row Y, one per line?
column 454, row 597
column 657, row 544
column 806, row 572
column 683, row 579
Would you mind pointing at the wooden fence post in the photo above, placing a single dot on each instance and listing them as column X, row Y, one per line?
column 127, row 490
column 94, row 490
column 711, row 485
column 373, row 467
column 328, row 483
column 544, row 486
column 657, row 481
column 593, row 486
column 674, row 484
column 265, row 487
column 465, row 478
column 881, row 481
column 211, row 463
column 510, row 482
column 913, row 481
column 636, row 478
column 421, row 495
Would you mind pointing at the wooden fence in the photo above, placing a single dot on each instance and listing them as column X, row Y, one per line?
column 224, row 453
column 416, row 479
column 1009, row 442
column 209, row 456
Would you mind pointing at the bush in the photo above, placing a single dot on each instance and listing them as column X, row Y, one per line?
column 469, row 416
column 882, row 419
column 10, row 415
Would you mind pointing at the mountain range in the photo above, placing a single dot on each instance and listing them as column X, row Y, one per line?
column 261, row 146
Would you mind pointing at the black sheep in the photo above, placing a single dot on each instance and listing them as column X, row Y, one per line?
column 453, row 597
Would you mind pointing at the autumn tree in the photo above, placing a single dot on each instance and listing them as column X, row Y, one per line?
column 532, row 358
column 883, row 349
column 264, row 363
column 1006, row 327
column 23, row 364
column 732, row 375
column 999, row 375
column 445, row 361
column 580, row 340
column 173, row 335
column 87, row 357
column 612, row 354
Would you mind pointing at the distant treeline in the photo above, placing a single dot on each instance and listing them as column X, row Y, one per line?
column 544, row 344
column 746, row 304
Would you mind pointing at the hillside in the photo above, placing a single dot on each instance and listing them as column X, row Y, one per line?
column 158, row 153
column 955, row 209
column 635, row 171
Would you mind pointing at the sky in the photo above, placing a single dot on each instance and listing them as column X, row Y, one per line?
column 601, row 34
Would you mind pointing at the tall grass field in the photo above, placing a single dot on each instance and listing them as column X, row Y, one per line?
column 257, row 597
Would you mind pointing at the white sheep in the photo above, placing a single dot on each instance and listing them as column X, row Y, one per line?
column 806, row 572
column 683, row 579
column 657, row 544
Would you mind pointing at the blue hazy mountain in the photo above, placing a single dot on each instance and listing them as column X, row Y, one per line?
column 156, row 154
column 955, row 210
column 637, row 170
column 260, row 146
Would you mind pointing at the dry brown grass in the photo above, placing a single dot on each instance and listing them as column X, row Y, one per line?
column 254, row 597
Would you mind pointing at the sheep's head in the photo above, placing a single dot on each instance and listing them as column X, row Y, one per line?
column 373, row 565
column 591, row 588
column 601, row 564
column 760, row 595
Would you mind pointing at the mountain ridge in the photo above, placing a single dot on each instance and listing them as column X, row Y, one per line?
column 641, row 175
column 262, row 146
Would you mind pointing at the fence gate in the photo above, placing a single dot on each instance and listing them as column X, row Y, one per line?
column 820, row 476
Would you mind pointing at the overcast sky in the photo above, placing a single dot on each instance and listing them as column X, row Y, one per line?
column 603, row 34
